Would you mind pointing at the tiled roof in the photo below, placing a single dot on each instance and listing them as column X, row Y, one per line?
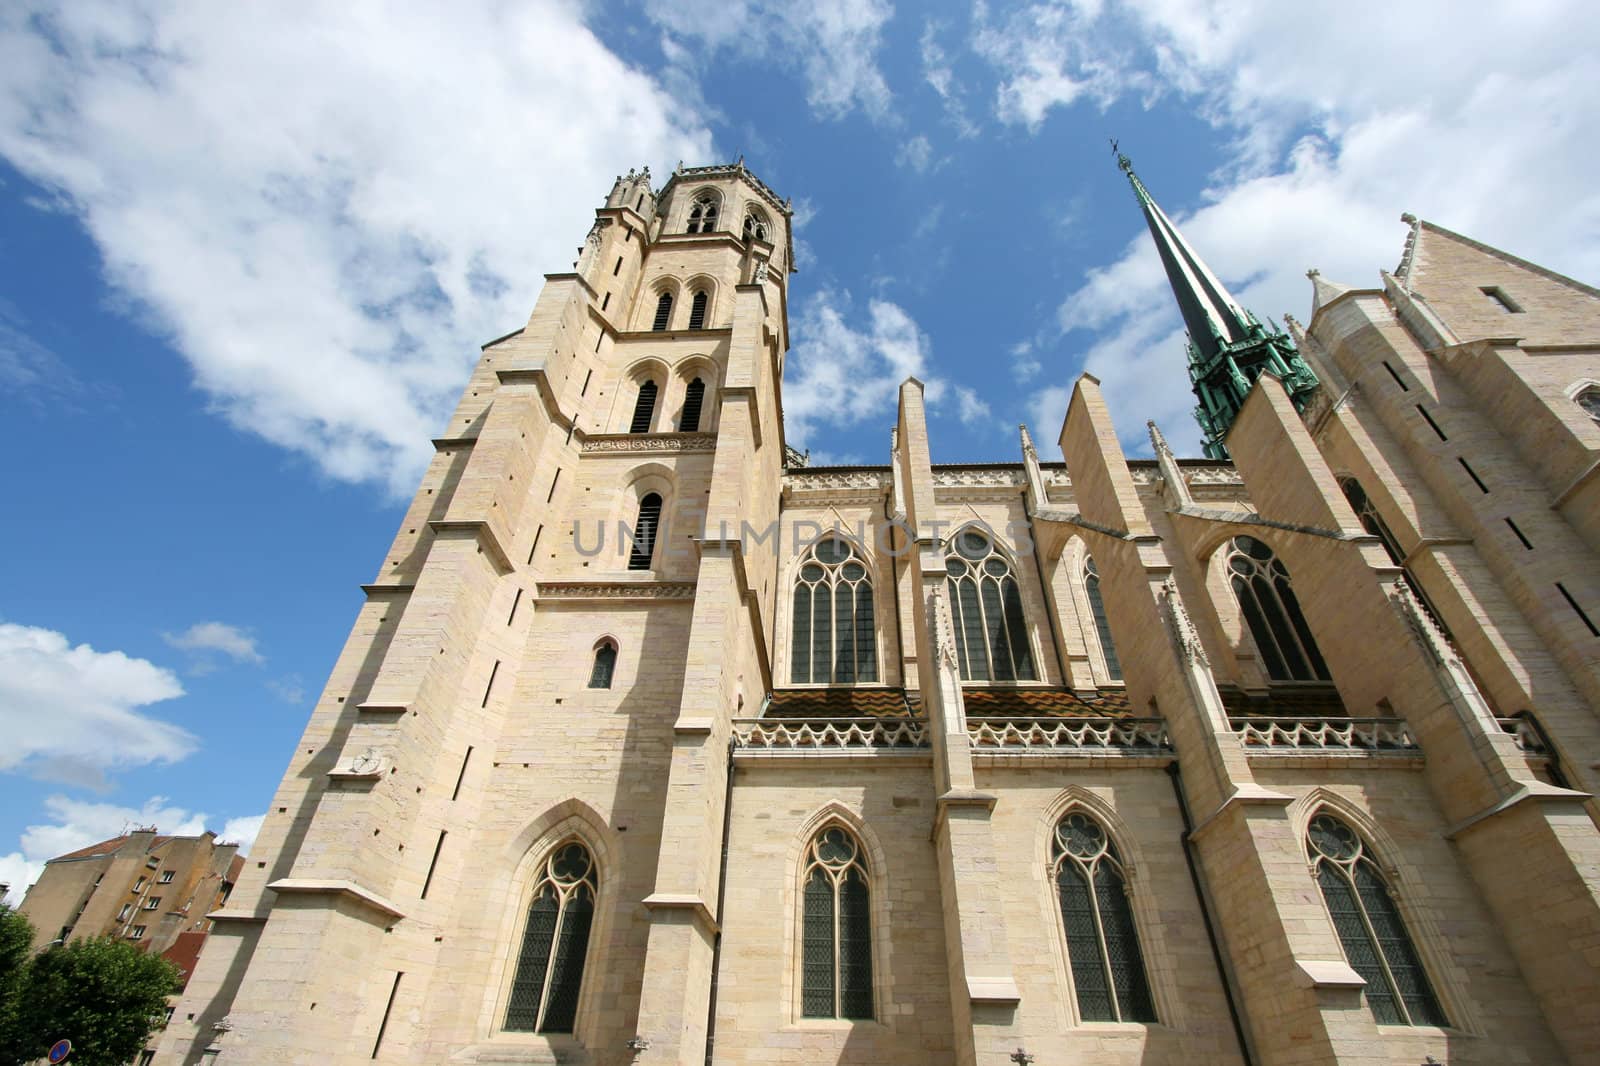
column 107, row 847
column 185, row 954
column 980, row 702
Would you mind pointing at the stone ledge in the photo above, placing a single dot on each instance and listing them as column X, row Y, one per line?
column 1320, row 973
column 682, row 901
column 993, row 991
column 311, row 886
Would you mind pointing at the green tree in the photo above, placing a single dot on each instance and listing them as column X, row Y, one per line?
column 16, row 943
column 104, row 995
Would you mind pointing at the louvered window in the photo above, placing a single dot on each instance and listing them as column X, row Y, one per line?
column 992, row 641
column 663, row 312
column 555, row 939
column 1102, row 626
column 694, row 397
column 643, row 408
column 1370, row 930
column 605, row 664
column 1261, row 584
column 834, row 639
column 1102, row 942
column 703, row 214
column 836, row 932
column 644, row 534
column 697, row 311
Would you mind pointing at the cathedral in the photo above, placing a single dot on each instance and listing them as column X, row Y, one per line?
column 653, row 744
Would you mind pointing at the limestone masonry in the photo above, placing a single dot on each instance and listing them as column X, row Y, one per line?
column 1284, row 758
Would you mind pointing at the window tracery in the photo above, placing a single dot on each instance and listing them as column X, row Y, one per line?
column 834, row 638
column 1369, row 925
column 555, row 941
column 1102, row 943
column 1261, row 584
column 992, row 641
column 703, row 214
column 755, row 226
column 836, row 928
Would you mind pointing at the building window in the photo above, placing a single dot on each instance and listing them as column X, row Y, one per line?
column 836, row 934
column 605, row 665
column 644, row 534
column 663, row 312
column 986, row 608
column 1373, row 523
column 1102, row 943
column 643, row 408
column 1261, row 584
column 835, row 640
column 694, row 398
column 1370, row 930
column 1502, row 299
column 755, row 226
column 1588, row 398
column 152, row 903
column 703, row 214
column 136, row 933
column 147, row 1056
column 166, row 877
column 138, row 886
column 555, row 939
column 1102, row 626
column 123, row 914
column 697, row 311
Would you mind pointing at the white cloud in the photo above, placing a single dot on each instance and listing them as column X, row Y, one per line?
column 220, row 637
column 832, row 43
column 77, row 709
column 969, row 406
column 916, row 153
column 1024, row 366
column 76, row 824
column 941, row 76
column 329, row 206
column 1487, row 133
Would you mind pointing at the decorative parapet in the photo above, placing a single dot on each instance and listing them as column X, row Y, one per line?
column 821, row 482
column 635, row 443
column 1135, row 736
column 1009, row 478
column 1324, row 735
column 825, row 735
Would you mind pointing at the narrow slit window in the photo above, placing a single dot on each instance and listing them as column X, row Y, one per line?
column 618, row 268
column 644, row 534
column 587, row 375
column 644, row 408
column 1502, row 299
column 1403, row 386
column 1426, row 417
column 1525, row 542
column 1579, row 611
column 433, row 865
column 1102, row 625
column 605, row 665
column 605, row 302
column 1473, row 474
column 694, row 398
column 555, row 941
column 663, row 312
column 697, row 311
column 462, row 774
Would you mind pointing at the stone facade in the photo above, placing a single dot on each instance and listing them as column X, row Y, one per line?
column 472, row 728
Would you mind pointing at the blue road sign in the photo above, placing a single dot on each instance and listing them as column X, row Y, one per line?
column 59, row 1051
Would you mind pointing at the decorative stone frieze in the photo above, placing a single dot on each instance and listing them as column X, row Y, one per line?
column 636, row 443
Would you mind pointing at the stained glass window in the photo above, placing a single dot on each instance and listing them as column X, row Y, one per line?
column 555, row 939
column 992, row 642
column 834, row 639
column 1102, row 942
column 1370, row 929
column 1102, row 626
column 836, row 929
column 1261, row 584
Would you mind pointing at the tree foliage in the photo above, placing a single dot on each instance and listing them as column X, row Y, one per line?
column 104, row 995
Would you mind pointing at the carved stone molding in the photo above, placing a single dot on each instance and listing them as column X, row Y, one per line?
column 837, row 484
column 615, row 590
column 635, row 443
column 1182, row 626
column 979, row 478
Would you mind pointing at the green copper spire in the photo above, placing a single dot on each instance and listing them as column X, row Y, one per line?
column 1228, row 346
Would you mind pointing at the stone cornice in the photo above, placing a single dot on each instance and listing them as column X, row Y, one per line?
column 338, row 888
column 487, row 540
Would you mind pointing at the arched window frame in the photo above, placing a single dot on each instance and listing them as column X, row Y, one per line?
column 699, row 309
column 1090, row 577
column 1586, row 394
column 649, row 517
column 1264, row 591
column 693, row 413
column 1000, row 624
column 756, row 226
column 603, row 668
column 1340, row 855
column 825, row 876
column 704, row 210
column 646, row 399
column 661, row 321
column 864, row 590
column 526, row 971
column 1112, row 921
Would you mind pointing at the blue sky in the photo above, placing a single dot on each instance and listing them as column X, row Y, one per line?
column 247, row 256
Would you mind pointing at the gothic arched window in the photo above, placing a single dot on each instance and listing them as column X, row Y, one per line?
column 1261, row 584
column 555, row 939
column 986, row 608
column 1102, row 943
column 755, row 226
column 663, row 312
column 1370, row 929
column 835, row 640
column 605, row 665
column 697, row 311
column 644, row 408
column 836, row 929
column 694, row 398
column 644, row 534
column 703, row 214
column 1588, row 398
column 1102, row 626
